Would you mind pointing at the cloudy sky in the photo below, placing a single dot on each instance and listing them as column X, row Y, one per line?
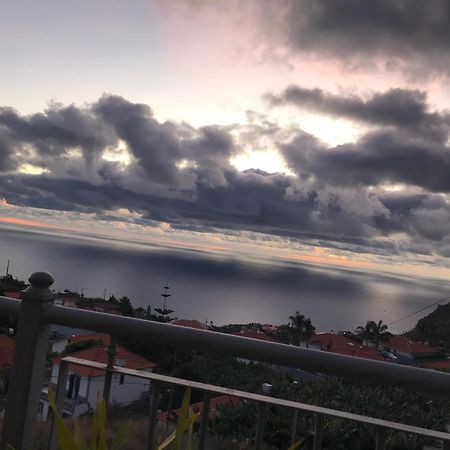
column 317, row 130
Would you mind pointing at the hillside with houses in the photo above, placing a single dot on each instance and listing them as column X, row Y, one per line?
column 131, row 394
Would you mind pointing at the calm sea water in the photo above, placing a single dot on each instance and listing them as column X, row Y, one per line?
column 222, row 290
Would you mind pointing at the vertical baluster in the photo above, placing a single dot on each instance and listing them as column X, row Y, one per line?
column 446, row 445
column 111, row 351
column 380, row 439
column 60, row 395
column 204, row 421
column 155, row 389
column 294, row 427
column 318, row 431
column 260, row 425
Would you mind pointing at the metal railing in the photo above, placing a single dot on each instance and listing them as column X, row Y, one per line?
column 36, row 312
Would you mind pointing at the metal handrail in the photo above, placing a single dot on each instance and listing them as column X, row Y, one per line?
column 352, row 367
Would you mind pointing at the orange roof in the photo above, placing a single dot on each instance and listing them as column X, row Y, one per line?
column 223, row 400
column 437, row 364
column 7, row 348
column 17, row 295
column 190, row 324
column 255, row 335
column 404, row 344
column 98, row 354
column 338, row 343
column 102, row 337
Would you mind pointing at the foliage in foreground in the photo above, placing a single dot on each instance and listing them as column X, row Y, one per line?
column 181, row 438
column 95, row 440
column 238, row 421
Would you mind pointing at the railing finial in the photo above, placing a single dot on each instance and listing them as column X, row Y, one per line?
column 41, row 280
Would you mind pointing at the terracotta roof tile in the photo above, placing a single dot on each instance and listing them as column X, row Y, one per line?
column 255, row 335
column 404, row 344
column 98, row 354
column 337, row 343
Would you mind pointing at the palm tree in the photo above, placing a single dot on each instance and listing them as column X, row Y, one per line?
column 301, row 328
column 379, row 331
column 373, row 331
column 366, row 332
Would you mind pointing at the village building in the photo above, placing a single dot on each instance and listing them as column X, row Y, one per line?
column 85, row 385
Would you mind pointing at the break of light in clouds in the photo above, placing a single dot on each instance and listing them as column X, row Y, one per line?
column 322, row 123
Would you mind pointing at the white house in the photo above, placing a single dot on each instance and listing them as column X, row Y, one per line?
column 85, row 385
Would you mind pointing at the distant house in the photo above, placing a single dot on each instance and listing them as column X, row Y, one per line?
column 343, row 345
column 85, row 385
column 59, row 345
column 190, row 324
column 67, row 299
column 415, row 351
column 7, row 349
column 17, row 295
column 255, row 335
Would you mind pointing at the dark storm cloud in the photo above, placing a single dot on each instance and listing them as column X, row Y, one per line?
column 395, row 108
column 408, row 35
column 153, row 144
column 378, row 157
column 182, row 175
column 413, row 32
column 57, row 130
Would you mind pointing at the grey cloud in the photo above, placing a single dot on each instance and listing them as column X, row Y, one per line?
column 335, row 198
column 408, row 35
column 405, row 31
column 394, row 108
column 58, row 130
column 378, row 157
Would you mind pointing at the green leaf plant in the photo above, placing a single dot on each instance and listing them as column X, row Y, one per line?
column 181, row 438
column 95, row 439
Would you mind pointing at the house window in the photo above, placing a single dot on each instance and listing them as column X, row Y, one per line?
column 74, row 387
column 122, row 378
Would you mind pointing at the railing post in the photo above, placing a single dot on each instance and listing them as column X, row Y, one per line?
column 155, row 388
column 204, row 422
column 60, row 395
column 29, row 363
column 260, row 425
column 446, row 445
column 111, row 351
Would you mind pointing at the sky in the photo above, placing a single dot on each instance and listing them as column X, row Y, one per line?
column 310, row 130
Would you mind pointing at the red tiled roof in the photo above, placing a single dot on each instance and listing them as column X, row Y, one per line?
column 404, row 344
column 342, row 345
column 102, row 337
column 440, row 364
column 190, row 324
column 223, row 400
column 7, row 348
column 17, row 295
column 255, row 335
column 98, row 354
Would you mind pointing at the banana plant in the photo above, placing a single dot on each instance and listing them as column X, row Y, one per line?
column 185, row 424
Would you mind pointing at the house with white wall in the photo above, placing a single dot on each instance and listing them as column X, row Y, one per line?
column 85, row 385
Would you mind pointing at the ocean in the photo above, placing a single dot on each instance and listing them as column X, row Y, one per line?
column 218, row 288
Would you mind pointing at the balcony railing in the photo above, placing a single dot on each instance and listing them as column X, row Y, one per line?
column 36, row 312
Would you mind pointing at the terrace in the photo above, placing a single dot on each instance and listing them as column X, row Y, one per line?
column 37, row 311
